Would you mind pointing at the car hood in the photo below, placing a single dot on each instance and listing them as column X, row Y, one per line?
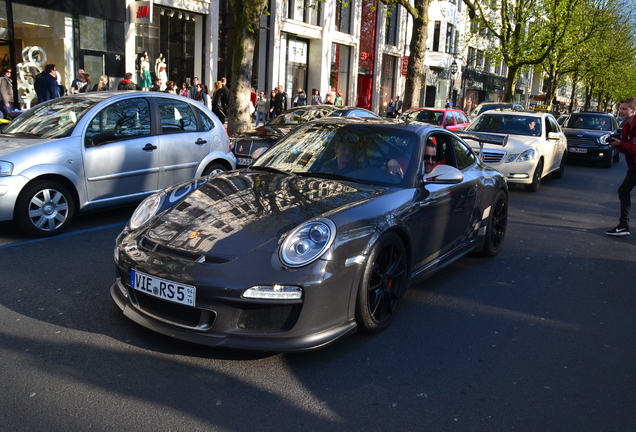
column 9, row 144
column 515, row 144
column 237, row 212
column 265, row 133
column 584, row 133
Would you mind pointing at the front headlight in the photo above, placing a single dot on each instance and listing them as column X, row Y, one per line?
column 512, row 157
column 526, row 156
column 604, row 139
column 6, row 168
column 147, row 209
column 307, row 242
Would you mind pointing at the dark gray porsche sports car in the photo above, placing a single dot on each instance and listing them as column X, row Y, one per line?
column 320, row 237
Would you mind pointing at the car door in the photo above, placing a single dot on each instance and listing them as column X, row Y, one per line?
column 445, row 210
column 556, row 146
column 125, row 161
column 183, row 143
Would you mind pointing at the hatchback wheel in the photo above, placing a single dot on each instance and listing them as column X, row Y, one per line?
column 383, row 282
column 214, row 168
column 44, row 209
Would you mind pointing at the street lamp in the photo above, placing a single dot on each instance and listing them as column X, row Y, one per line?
column 453, row 71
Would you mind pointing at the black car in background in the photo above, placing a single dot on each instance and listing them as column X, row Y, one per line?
column 265, row 136
column 588, row 133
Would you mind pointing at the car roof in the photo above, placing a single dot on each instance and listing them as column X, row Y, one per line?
column 516, row 113
column 417, row 127
column 433, row 109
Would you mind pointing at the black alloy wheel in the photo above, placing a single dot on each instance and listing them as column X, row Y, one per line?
column 497, row 223
column 559, row 173
column 536, row 178
column 383, row 282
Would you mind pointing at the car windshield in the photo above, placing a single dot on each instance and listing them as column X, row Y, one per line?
column 297, row 117
column 424, row 116
column 507, row 124
column 53, row 119
column 578, row 121
column 370, row 154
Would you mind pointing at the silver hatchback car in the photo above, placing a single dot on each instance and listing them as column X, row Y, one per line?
column 103, row 149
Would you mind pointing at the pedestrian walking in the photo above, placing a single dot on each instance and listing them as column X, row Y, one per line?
column 6, row 92
column 339, row 98
column 184, row 90
column 217, row 101
column 627, row 146
column 272, row 103
column 102, row 84
column 170, row 87
column 156, row 87
column 262, row 108
column 46, row 84
column 195, row 88
column 390, row 109
column 300, row 99
column 315, row 97
column 78, row 82
column 281, row 101
column 127, row 83
column 88, row 84
column 449, row 104
column 397, row 107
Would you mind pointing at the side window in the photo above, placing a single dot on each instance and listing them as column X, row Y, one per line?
column 450, row 119
column 461, row 117
column 130, row 118
column 206, row 121
column 176, row 116
column 548, row 126
column 464, row 154
column 554, row 126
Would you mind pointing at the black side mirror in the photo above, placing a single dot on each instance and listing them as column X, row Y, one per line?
column 104, row 137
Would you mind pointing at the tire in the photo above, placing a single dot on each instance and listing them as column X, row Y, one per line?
column 383, row 283
column 214, row 168
column 44, row 209
column 559, row 173
column 536, row 178
column 497, row 223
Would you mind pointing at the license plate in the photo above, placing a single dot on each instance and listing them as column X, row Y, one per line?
column 577, row 150
column 162, row 288
column 241, row 161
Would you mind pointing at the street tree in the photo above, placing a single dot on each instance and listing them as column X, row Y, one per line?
column 417, row 47
column 247, row 16
column 526, row 30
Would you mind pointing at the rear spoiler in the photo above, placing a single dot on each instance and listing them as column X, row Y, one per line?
column 484, row 138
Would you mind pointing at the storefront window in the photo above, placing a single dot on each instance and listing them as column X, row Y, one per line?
column 297, row 54
column 41, row 37
column 340, row 61
column 169, row 42
column 388, row 81
column 4, row 24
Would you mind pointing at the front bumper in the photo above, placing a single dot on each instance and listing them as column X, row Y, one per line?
column 591, row 153
column 517, row 172
column 10, row 188
column 223, row 318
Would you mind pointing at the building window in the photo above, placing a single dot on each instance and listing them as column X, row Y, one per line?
column 472, row 55
column 343, row 17
column 311, row 12
column 340, row 64
column 450, row 32
column 92, row 33
column 479, row 62
column 392, row 18
column 436, row 35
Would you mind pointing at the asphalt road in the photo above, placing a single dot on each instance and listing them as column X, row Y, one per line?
column 540, row 338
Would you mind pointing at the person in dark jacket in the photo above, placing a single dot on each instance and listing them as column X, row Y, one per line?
column 46, row 84
column 281, row 100
column 102, row 85
column 127, row 83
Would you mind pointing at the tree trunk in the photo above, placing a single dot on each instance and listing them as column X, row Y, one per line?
column 511, row 82
column 575, row 79
column 247, row 15
column 417, row 48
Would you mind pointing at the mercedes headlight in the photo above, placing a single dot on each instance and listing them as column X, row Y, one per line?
column 6, row 168
column 307, row 243
column 146, row 210
column 526, row 156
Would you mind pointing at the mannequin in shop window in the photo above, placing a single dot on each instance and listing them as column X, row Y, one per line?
column 160, row 70
column 144, row 71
